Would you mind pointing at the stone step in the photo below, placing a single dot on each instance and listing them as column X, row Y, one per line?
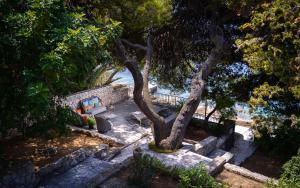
column 217, row 153
column 126, row 155
column 182, row 158
column 89, row 173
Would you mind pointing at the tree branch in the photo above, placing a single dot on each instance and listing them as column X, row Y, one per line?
column 110, row 78
column 147, row 68
column 211, row 113
column 139, row 46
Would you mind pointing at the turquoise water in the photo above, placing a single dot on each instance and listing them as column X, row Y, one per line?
column 126, row 78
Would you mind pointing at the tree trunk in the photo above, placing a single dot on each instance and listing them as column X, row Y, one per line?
column 169, row 137
column 185, row 115
column 138, row 97
column 174, row 141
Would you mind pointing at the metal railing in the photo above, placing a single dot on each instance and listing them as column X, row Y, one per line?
column 162, row 98
column 168, row 99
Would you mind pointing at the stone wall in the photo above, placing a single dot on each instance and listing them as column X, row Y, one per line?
column 107, row 94
column 224, row 132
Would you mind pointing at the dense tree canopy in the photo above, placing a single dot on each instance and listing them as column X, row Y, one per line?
column 47, row 49
column 51, row 48
column 271, row 47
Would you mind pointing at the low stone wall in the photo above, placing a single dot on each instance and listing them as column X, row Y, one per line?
column 224, row 132
column 107, row 94
column 248, row 174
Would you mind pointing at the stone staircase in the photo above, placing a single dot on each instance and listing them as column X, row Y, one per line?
column 93, row 172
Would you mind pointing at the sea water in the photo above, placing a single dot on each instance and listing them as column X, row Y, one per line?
column 125, row 77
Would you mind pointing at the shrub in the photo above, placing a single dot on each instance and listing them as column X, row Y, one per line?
column 144, row 169
column 278, row 137
column 52, row 123
column 91, row 121
column 291, row 175
column 197, row 177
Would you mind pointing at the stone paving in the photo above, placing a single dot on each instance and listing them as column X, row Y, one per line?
column 183, row 158
column 124, row 128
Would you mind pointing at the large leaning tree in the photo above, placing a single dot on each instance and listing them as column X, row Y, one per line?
column 207, row 30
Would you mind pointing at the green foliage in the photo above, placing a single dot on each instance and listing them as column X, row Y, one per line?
column 51, row 123
column 144, row 169
column 135, row 16
column 197, row 177
column 47, row 50
column 280, row 137
column 271, row 47
column 291, row 175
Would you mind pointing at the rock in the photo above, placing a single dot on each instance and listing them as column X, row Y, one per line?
column 101, row 151
column 65, row 162
column 247, row 173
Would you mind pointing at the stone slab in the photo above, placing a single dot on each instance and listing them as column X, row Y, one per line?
column 247, row 173
column 89, row 173
column 221, row 153
column 204, row 147
column 126, row 154
column 183, row 158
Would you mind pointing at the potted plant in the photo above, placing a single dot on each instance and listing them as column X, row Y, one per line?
column 91, row 122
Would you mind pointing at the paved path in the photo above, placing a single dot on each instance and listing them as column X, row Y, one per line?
column 124, row 128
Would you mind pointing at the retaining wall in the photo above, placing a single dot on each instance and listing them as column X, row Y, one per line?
column 107, row 94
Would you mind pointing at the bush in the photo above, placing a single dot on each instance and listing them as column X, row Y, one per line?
column 278, row 137
column 91, row 121
column 291, row 174
column 144, row 169
column 52, row 123
column 197, row 177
